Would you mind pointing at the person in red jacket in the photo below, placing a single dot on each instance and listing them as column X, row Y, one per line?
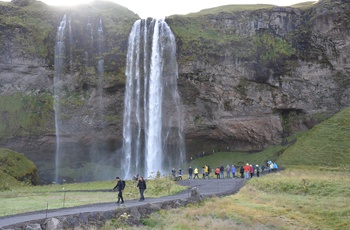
column 246, row 171
column 217, row 172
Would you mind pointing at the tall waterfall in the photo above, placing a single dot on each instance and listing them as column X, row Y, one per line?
column 100, row 66
column 59, row 66
column 153, row 124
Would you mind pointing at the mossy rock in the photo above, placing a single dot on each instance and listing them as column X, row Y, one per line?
column 15, row 166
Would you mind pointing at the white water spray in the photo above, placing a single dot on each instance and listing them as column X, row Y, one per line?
column 153, row 129
column 59, row 65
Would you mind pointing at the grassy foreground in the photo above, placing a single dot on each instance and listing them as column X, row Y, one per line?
column 33, row 198
column 290, row 199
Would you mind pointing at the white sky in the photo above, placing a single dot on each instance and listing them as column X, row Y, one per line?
column 161, row 8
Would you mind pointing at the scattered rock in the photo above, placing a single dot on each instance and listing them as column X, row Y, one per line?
column 53, row 224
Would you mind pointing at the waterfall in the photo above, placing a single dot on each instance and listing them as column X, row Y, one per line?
column 59, row 65
column 100, row 67
column 153, row 137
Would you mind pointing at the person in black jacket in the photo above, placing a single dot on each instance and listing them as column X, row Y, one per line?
column 241, row 171
column 119, row 187
column 142, row 187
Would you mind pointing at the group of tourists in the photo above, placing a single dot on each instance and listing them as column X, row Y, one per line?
column 230, row 171
column 247, row 171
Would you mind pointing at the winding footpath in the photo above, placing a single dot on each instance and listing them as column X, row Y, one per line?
column 207, row 188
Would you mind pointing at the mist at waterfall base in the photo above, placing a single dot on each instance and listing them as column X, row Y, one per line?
column 152, row 128
column 153, row 139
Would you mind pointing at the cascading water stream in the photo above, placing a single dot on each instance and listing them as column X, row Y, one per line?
column 100, row 67
column 153, row 130
column 59, row 65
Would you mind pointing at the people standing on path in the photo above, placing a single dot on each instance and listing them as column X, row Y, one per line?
column 241, row 171
column 209, row 171
column 119, row 187
column 196, row 173
column 246, row 171
column 222, row 172
column 217, row 172
column 190, row 173
column 228, row 171
column 206, row 171
column 142, row 187
column 233, row 170
column 251, row 171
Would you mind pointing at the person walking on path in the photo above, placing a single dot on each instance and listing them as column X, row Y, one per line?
column 196, row 173
column 190, row 172
column 142, row 187
column 180, row 174
column 173, row 173
column 257, row 170
column 119, row 187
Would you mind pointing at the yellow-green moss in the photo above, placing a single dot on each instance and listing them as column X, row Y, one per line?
column 15, row 167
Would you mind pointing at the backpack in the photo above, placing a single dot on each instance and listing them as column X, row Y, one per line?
column 123, row 183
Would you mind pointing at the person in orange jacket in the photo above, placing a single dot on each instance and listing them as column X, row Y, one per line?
column 246, row 171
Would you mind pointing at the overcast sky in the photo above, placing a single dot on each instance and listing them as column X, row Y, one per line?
column 161, row 8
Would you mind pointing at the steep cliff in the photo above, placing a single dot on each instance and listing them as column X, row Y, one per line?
column 251, row 77
column 248, row 76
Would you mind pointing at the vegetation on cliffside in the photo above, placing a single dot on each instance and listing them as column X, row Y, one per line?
column 27, row 37
column 25, row 115
column 15, row 169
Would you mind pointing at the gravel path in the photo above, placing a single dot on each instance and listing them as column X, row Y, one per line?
column 207, row 188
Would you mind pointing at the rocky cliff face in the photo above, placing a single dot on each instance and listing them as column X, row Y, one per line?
column 247, row 78
column 266, row 74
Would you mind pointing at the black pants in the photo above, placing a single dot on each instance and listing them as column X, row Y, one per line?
column 120, row 196
column 142, row 190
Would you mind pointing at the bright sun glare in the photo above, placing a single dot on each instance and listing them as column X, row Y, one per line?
column 161, row 8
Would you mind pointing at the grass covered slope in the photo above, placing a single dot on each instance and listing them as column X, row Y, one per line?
column 15, row 167
column 327, row 144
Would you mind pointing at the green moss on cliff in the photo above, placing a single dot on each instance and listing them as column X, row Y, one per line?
column 270, row 48
column 25, row 114
column 28, row 30
column 16, row 167
column 28, row 26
